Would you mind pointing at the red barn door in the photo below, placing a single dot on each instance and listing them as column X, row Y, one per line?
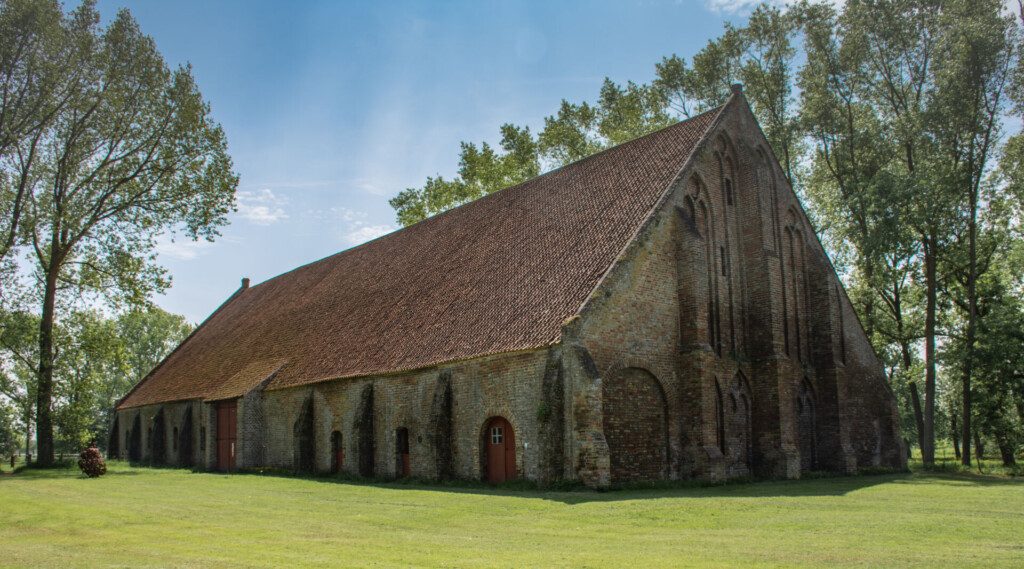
column 501, row 451
column 404, row 469
column 227, row 434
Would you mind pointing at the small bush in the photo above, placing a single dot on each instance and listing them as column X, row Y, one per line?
column 91, row 462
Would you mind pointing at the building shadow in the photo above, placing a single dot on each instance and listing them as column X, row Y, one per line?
column 811, row 487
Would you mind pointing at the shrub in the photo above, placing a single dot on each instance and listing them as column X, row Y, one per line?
column 91, row 462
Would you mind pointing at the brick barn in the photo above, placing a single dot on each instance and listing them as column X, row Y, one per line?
column 660, row 310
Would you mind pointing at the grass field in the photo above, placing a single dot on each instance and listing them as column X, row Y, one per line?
column 139, row 517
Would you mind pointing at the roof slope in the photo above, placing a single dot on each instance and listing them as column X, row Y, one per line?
column 496, row 275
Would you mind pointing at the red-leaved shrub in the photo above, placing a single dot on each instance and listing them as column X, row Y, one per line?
column 91, row 462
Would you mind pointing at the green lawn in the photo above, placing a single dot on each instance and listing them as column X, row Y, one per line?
column 138, row 517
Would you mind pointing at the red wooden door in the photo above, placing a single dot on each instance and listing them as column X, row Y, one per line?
column 501, row 451
column 402, row 446
column 227, row 431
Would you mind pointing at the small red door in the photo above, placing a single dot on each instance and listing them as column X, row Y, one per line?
column 501, row 451
column 402, row 448
column 227, row 430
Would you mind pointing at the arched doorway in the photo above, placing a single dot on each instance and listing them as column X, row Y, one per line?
column 337, row 452
column 806, row 419
column 635, row 425
column 499, row 451
column 403, row 466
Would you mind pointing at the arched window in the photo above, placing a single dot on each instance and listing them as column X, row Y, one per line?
column 842, row 327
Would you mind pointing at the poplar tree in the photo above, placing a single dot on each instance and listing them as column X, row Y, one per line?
column 132, row 154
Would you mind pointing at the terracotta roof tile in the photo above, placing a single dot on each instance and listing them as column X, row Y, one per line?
column 251, row 375
column 499, row 274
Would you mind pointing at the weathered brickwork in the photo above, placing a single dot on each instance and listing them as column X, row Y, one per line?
column 720, row 344
column 728, row 301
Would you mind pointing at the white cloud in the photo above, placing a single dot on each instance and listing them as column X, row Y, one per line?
column 363, row 233
column 731, row 6
column 262, row 207
column 371, row 187
column 745, row 7
column 182, row 250
column 351, row 226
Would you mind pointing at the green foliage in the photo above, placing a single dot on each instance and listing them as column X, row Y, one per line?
column 482, row 170
column 8, row 429
column 101, row 358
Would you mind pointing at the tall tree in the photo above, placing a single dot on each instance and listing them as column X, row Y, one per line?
column 972, row 71
column 132, row 155
column 35, row 60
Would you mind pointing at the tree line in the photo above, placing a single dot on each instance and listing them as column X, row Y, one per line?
column 104, row 149
column 100, row 359
column 897, row 123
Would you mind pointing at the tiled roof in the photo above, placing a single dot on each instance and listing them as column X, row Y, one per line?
column 500, row 274
column 251, row 375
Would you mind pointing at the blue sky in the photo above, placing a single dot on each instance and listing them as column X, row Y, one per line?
column 331, row 108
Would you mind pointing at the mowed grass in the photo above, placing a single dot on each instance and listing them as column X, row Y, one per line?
column 141, row 517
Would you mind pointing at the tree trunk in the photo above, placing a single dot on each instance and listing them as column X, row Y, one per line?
column 44, row 397
column 972, row 317
column 915, row 400
column 1006, row 452
column 979, row 450
column 931, row 285
column 28, row 437
column 955, row 432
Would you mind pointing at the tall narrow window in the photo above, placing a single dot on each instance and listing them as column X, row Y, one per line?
column 720, row 417
column 842, row 327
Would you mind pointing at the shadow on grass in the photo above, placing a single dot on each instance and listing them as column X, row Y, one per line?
column 575, row 493
column 64, row 470
column 815, row 484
